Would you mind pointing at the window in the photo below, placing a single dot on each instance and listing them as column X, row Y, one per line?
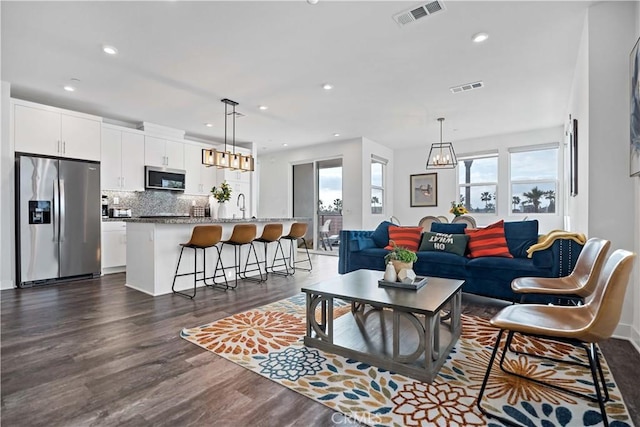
column 478, row 182
column 534, row 179
column 377, row 185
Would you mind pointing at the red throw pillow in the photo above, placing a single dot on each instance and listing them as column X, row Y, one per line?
column 488, row 241
column 405, row 237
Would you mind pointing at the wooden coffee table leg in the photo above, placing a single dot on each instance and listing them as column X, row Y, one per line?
column 324, row 329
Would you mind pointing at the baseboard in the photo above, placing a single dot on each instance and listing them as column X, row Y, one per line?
column 139, row 289
column 635, row 339
column 627, row 332
column 111, row 270
column 6, row 284
column 622, row 331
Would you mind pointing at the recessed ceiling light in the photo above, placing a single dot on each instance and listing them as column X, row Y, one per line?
column 327, row 86
column 284, row 144
column 109, row 50
column 312, row 1
column 263, row 107
column 69, row 88
column 336, row 134
column 479, row 37
column 209, row 125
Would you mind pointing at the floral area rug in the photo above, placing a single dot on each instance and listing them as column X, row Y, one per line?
column 268, row 341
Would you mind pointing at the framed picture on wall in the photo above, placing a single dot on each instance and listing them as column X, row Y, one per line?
column 424, row 190
column 634, row 72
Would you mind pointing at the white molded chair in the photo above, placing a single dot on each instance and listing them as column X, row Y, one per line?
column 426, row 222
column 466, row 219
column 324, row 235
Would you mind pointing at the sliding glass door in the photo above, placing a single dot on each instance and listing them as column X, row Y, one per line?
column 317, row 194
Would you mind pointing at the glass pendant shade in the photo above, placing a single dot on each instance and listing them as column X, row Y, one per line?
column 208, row 157
column 247, row 163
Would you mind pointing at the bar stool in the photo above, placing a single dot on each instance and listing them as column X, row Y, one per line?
column 298, row 231
column 202, row 237
column 243, row 234
column 271, row 233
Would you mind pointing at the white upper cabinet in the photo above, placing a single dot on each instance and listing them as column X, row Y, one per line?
column 122, row 166
column 163, row 153
column 199, row 178
column 39, row 129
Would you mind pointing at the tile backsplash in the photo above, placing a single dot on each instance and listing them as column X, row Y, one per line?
column 152, row 202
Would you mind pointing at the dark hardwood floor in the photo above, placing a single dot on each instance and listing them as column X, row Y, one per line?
column 97, row 353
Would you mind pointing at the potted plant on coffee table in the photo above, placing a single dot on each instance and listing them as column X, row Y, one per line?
column 400, row 257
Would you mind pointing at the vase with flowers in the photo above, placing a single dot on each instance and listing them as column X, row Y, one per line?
column 222, row 194
column 458, row 209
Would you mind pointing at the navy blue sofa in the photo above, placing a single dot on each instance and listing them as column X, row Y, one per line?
column 487, row 276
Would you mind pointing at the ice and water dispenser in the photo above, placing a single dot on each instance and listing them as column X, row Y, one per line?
column 39, row 212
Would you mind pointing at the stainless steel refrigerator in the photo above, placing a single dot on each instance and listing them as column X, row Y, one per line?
column 58, row 214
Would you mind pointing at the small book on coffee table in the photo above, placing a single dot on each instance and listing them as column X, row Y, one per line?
column 419, row 282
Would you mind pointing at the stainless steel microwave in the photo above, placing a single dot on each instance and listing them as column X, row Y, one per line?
column 164, row 179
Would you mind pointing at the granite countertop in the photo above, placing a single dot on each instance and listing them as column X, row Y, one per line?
column 205, row 220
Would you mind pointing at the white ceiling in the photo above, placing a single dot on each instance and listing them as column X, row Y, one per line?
column 177, row 59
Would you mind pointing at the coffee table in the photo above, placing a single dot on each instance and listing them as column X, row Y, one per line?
column 401, row 330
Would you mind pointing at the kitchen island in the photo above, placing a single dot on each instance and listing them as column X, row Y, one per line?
column 153, row 248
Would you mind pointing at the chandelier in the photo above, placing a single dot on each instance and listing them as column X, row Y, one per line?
column 228, row 159
column 441, row 155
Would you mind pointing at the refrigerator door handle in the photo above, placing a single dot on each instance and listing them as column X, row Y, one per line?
column 61, row 210
column 56, row 210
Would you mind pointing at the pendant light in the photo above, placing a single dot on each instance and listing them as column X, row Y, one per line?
column 441, row 155
column 227, row 159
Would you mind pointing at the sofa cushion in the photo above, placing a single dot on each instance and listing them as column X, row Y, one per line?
column 488, row 241
column 520, row 236
column 503, row 270
column 448, row 228
column 404, row 237
column 371, row 259
column 365, row 243
column 441, row 264
column 441, row 242
column 381, row 234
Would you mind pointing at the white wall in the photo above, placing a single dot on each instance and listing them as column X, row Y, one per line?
column 276, row 168
column 370, row 148
column 412, row 161
column 608, row 203
column 577, row 208
column 7, row 256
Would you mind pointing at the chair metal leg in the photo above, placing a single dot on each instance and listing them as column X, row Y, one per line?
column 184, row 294
column 215, row 284
column 257, row 264
column 486, row 379
column 594, row 366
column 275, row 258
column 292, row 264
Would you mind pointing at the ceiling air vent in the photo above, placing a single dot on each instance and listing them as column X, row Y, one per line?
column 412, row 15
column 466, row 87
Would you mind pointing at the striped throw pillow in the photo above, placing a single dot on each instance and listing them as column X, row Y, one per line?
column 488, row 241
column 405, row 237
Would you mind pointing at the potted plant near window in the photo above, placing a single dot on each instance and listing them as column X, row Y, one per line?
column 400, row 257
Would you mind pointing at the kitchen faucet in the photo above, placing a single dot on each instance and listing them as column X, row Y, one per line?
column 243, row 208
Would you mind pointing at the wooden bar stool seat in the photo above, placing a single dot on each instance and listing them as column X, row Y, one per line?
column 244, row 234
column 202, row 237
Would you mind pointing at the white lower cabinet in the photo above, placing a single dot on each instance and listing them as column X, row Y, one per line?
column 114, row 246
